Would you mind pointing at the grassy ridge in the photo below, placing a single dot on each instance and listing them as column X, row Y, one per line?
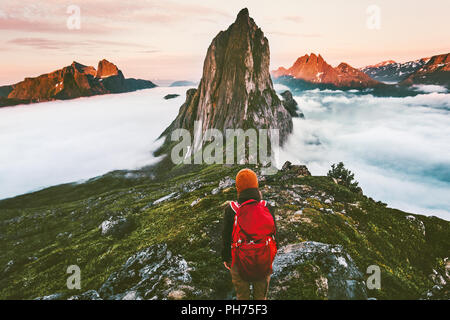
column 46, row 231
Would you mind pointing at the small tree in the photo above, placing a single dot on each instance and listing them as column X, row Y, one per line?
column 344, row 176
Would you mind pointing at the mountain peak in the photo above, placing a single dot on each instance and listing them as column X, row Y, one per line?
column 244, row 21
column 243, row 14
column 83, row 69
column 107, row 69
column 77, row 65
column 236, row 90
column 343, row 65
column 313, row 68
column 381, row 64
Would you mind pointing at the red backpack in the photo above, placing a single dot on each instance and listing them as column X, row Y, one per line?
column 253, row 246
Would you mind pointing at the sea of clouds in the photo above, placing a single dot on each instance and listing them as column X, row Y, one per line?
column 57, row 142
column 398, row 148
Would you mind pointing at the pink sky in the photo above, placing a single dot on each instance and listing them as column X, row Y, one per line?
column 167, row 40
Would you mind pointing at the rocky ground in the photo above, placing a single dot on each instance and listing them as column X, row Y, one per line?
column 137, row 237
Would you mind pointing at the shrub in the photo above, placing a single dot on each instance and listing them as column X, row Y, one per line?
column 344, row 176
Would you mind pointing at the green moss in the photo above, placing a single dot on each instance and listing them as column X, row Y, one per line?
column 46, row 231
column 303, row 282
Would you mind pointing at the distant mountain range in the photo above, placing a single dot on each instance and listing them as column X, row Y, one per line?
column 308, row 72
column 391, row 71
column 73, row 81
column 312, row 71
column 435, row 71
column 183, row 83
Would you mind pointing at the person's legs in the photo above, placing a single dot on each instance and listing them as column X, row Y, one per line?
column 260, row 289
column 241, row 286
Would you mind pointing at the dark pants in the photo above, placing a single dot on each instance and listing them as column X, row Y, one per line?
column 242, row 287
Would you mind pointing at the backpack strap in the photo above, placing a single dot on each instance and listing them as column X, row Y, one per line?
column 247, row 202
column 264, row 203
column 234, row 206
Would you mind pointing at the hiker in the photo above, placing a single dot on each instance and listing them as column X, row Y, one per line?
column 248, row 237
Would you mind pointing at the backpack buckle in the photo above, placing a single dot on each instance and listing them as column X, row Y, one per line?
column 236, row 244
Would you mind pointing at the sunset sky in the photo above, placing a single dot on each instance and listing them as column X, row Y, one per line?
column 167, row 40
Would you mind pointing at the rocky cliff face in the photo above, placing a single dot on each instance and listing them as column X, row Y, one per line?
column 315, row 69
column 70, row 82
column 236, row 90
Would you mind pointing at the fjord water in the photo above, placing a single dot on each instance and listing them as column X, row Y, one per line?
column 398, row 148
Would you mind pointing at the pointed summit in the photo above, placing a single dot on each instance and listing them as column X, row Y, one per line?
column 243, row 14
column 314, row 69
column 81, row 68
column 236, row 90
column 107, row 69
column 244, row 22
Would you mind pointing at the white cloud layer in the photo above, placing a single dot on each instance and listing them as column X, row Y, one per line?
column 63, row 141
column 399, row 148
column 427, row 88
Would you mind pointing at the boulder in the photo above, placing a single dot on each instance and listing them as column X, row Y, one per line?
column 88, row 295
column 116, row 226
column 152, row 273
column 227, row 182
column 54, row 296
column 294, row 170
column 314, row 270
